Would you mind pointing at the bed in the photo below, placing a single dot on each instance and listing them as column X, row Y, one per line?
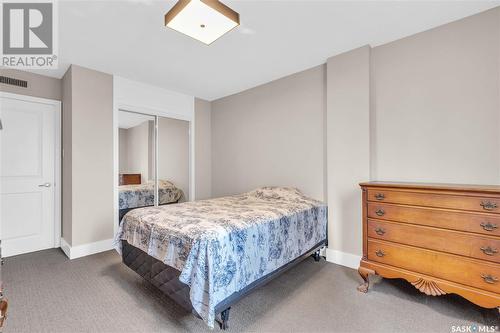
column 133, row 194
column 208, row 254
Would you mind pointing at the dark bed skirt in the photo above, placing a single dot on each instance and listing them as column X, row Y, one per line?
column 166, row 278
column 162, row 276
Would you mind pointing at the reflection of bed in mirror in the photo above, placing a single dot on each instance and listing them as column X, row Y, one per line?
column 151, row 148
column 134, row 194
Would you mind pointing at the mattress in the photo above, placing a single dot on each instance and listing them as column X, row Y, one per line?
column 220, row 246
column 133, row 196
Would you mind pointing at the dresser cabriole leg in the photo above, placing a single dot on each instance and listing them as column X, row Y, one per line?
column 365, row 275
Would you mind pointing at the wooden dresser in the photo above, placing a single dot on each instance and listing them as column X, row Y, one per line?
column 440, row 238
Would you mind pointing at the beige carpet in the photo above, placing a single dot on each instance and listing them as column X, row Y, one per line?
column 49, row 293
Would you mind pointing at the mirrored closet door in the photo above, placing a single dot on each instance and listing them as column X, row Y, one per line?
column 173, row 160
column 153, row 161
column 136, row 166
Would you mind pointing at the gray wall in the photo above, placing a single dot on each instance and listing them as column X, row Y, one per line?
column 38, row 85
column 67, row 160
column 434, row 115
column 436, row 104
column 271, row 135
column 203, row 149
column 123, row 150
column 138, row 151
column 88, row 120
column 348, row 146
column 423, row 108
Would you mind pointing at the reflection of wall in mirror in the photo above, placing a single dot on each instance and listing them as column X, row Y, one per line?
column 173, row 153
column 123, row 150
column 136, row 149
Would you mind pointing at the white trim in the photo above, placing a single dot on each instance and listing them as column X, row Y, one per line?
column 57, row 155
column 65, row 248
column 27, row 98
column 73, row 252
column 343, row 258
column 152, row 111
column 58, row 178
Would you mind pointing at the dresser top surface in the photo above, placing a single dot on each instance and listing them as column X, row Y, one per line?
column 434, row 186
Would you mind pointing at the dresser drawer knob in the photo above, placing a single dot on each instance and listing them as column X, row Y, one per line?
column 380, row 231
column 489, row 278
column 488, row 205
column 380, row 212
column 379, row 196
column 489, row 250
column 489, row 226
column 380, row 253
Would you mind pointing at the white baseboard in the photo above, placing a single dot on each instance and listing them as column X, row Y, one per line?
column 343, row 258
column 65, row 248
column 73, row 252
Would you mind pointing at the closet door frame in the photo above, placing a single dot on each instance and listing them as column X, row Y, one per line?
column 155, row 113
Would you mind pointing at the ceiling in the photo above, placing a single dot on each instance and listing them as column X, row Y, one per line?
column 275, row 39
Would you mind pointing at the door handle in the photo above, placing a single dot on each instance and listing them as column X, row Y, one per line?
column 45, row 185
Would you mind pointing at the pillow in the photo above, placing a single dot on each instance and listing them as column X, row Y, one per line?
column 276, row 193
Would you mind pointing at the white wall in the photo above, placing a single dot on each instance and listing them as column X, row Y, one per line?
column 129, row 93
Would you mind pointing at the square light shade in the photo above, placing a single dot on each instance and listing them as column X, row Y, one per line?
column 204, row 20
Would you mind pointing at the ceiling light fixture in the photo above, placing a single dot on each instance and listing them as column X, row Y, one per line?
column 204, row 20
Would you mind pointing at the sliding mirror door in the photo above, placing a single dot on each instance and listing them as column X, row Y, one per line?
column 153, row 161
column 136, row 141
column 173, row 160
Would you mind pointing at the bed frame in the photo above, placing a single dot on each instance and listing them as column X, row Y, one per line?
column 166, row 278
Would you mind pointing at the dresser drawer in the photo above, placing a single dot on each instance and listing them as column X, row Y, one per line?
column 488, row 224
column 445, row 266
column 470, row 245
column 461, row 202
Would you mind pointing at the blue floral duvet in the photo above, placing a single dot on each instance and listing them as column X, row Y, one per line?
column 222, row 245
column 142, row 195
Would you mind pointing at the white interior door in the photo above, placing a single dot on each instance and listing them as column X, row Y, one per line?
column 28, row 175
